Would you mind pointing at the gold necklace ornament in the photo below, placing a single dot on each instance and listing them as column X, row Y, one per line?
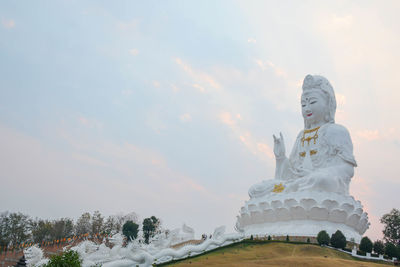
column 308, row 139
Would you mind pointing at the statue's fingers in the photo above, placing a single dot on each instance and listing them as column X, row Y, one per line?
column 274, row 137
column 280, row 134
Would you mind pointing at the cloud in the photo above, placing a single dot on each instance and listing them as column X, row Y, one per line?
column 126, row 92
column 95, row 170
column 185, row 117
column 252, row 40
column 202, row 78
column 175, row 88
column 8, row 23
column 260, row 149
column 156, row 84
column 91, row 123
column 134, row 52
column 199, row 87
column 265, row 64
column 369, row 135
column 128, row 26
column 227, row 119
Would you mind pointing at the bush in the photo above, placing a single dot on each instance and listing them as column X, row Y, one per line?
column 338, row 240
column 68, row 258
column 361, row 253
column 251, row 237
column 130, row 230
column 347, row 249
column 308, row 240
column 269, row 237
column 287, row 238
column 379, row 247
column 323, row 238
column 366, row 244
column 391, row 250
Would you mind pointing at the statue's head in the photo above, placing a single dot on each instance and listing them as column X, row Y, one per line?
column 318, row 100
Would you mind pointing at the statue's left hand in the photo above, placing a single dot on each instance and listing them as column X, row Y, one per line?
column 279, row 147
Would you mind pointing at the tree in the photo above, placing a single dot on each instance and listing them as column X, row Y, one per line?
column 323, row 238
column 130, row 230
column 4, row 231
column 379, row 247
column 391, row 230
column 18, row 228
column 97, row 222
column 391, row 250
column 150, row 227
column 110, row 225
column 83, row 224
column 41, row 230
column 338, row 240
column 366, row 244
column 62, row 228
column 287, row 238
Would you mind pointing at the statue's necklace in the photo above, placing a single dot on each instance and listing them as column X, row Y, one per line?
column 309, row 138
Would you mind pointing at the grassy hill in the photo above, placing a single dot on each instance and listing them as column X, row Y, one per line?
column 274, row 254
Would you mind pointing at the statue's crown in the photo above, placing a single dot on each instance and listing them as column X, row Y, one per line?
column 316, row 82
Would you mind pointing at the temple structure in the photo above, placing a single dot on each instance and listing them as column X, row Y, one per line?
column 310, row 191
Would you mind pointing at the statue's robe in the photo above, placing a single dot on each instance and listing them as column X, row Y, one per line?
column 326, row 165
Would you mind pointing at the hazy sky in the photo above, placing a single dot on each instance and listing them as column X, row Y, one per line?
column 167, row 108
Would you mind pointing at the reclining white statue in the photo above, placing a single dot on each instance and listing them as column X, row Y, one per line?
column 310, row 191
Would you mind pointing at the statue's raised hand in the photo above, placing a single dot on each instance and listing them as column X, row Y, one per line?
column 279, row 147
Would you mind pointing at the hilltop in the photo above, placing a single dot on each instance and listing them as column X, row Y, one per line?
column 274, row 254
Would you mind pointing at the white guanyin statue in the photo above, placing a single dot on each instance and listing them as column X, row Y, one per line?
column 310, row 191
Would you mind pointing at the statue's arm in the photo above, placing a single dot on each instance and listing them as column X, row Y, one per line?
column 282, row 170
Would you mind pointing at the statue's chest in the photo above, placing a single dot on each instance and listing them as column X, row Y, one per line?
column 311, row 149
column 309, row 143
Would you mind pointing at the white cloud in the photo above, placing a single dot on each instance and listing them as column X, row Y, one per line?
column 91, row 123
column 134, row 52
column 156, row 84
column 185, row 117
column 8, row 23
column 126, row 92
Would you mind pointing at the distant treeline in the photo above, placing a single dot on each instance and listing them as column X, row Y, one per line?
column 19, row 230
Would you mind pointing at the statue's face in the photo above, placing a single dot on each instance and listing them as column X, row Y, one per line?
column 314, row 106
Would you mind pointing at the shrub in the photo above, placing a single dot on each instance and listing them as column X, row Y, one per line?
column 130, row 230
column 366, row 244
column 68, row 258
column 347, row 249
column 379, row 247
column 269, row 237
column 391, row 250
column 251, row 237
column 323, row 238
column 308, row 240
column 338, row 240
column 287, row 238
column 361, row 253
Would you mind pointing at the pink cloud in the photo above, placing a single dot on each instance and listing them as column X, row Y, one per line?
column 369, row 135
column 8, row 23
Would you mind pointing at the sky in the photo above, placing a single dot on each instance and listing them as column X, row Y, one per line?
column 168, row 108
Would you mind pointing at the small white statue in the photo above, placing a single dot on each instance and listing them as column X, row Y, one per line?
column 322, row 157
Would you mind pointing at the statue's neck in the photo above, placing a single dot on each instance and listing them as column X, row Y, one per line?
column 315, row 125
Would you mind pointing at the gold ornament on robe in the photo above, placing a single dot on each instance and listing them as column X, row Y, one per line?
column 309, row 138
column 312, row 152
column 278, row 188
